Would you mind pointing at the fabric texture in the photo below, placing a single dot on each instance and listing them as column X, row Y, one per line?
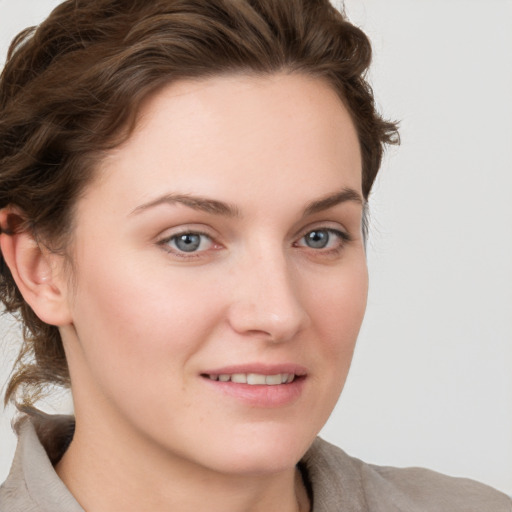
column 336, row 482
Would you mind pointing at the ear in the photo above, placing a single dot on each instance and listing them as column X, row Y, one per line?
column 38, row 273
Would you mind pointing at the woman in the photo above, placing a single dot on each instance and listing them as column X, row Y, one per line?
column 183, row 195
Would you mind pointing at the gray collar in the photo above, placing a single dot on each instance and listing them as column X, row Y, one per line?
column 33, row 484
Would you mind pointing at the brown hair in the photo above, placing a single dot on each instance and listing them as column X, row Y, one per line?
column 71, row 89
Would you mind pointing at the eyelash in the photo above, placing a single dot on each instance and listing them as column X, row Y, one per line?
column 343, row 237
column 165, row 243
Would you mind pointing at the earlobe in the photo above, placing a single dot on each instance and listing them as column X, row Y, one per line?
column 38, row 273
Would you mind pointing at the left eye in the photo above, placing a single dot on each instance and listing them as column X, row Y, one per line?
column 189, row 242
column 323, row 238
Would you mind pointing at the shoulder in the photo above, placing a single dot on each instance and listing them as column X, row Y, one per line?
column 32, row 484
column 340, row 482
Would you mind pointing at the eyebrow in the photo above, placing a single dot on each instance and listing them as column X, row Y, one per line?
column 221, row 208
column 195, row 202
column 346, row 194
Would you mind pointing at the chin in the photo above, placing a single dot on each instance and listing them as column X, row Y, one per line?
column 265, row 450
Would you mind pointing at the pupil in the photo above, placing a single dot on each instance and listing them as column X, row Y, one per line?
column 317, row 239
column 188, row 242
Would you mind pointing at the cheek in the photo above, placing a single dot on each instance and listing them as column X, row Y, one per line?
column 340, row 303
column 145, row 322
column 338, row 309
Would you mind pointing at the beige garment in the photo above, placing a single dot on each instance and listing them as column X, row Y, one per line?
column 336, row 481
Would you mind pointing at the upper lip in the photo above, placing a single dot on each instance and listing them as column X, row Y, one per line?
column 259, row 368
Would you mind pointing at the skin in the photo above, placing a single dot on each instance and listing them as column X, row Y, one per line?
column 142, row 321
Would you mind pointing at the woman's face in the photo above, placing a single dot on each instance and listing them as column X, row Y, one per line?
column 219, row 274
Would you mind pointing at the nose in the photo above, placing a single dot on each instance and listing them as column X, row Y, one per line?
column 266, row 299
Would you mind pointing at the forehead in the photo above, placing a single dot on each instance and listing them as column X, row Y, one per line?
column 239, row 127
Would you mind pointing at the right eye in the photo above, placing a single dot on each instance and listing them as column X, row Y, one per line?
column 188, row 242
column 324, row 238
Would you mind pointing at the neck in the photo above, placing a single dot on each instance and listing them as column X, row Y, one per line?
column 108, row 469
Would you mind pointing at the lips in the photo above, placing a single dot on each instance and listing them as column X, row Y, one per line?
column 259, row 385
column 254, row 379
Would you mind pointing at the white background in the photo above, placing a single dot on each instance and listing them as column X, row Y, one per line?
column 431, row 382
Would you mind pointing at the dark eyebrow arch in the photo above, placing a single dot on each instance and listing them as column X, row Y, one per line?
column 195, row 202
column 346, row 194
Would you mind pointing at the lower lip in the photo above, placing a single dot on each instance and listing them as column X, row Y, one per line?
column 266, row 396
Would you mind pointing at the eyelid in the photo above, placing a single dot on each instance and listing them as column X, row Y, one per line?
column 342, row 235
column 338, row 232
column 170, row 234
column 183, row 229
column 331, row 226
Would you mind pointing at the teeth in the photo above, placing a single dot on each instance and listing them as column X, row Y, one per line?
column 272, row 380
column 255, row 379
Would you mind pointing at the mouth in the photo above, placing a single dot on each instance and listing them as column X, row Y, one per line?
column 254, row 379
column 259, row 385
